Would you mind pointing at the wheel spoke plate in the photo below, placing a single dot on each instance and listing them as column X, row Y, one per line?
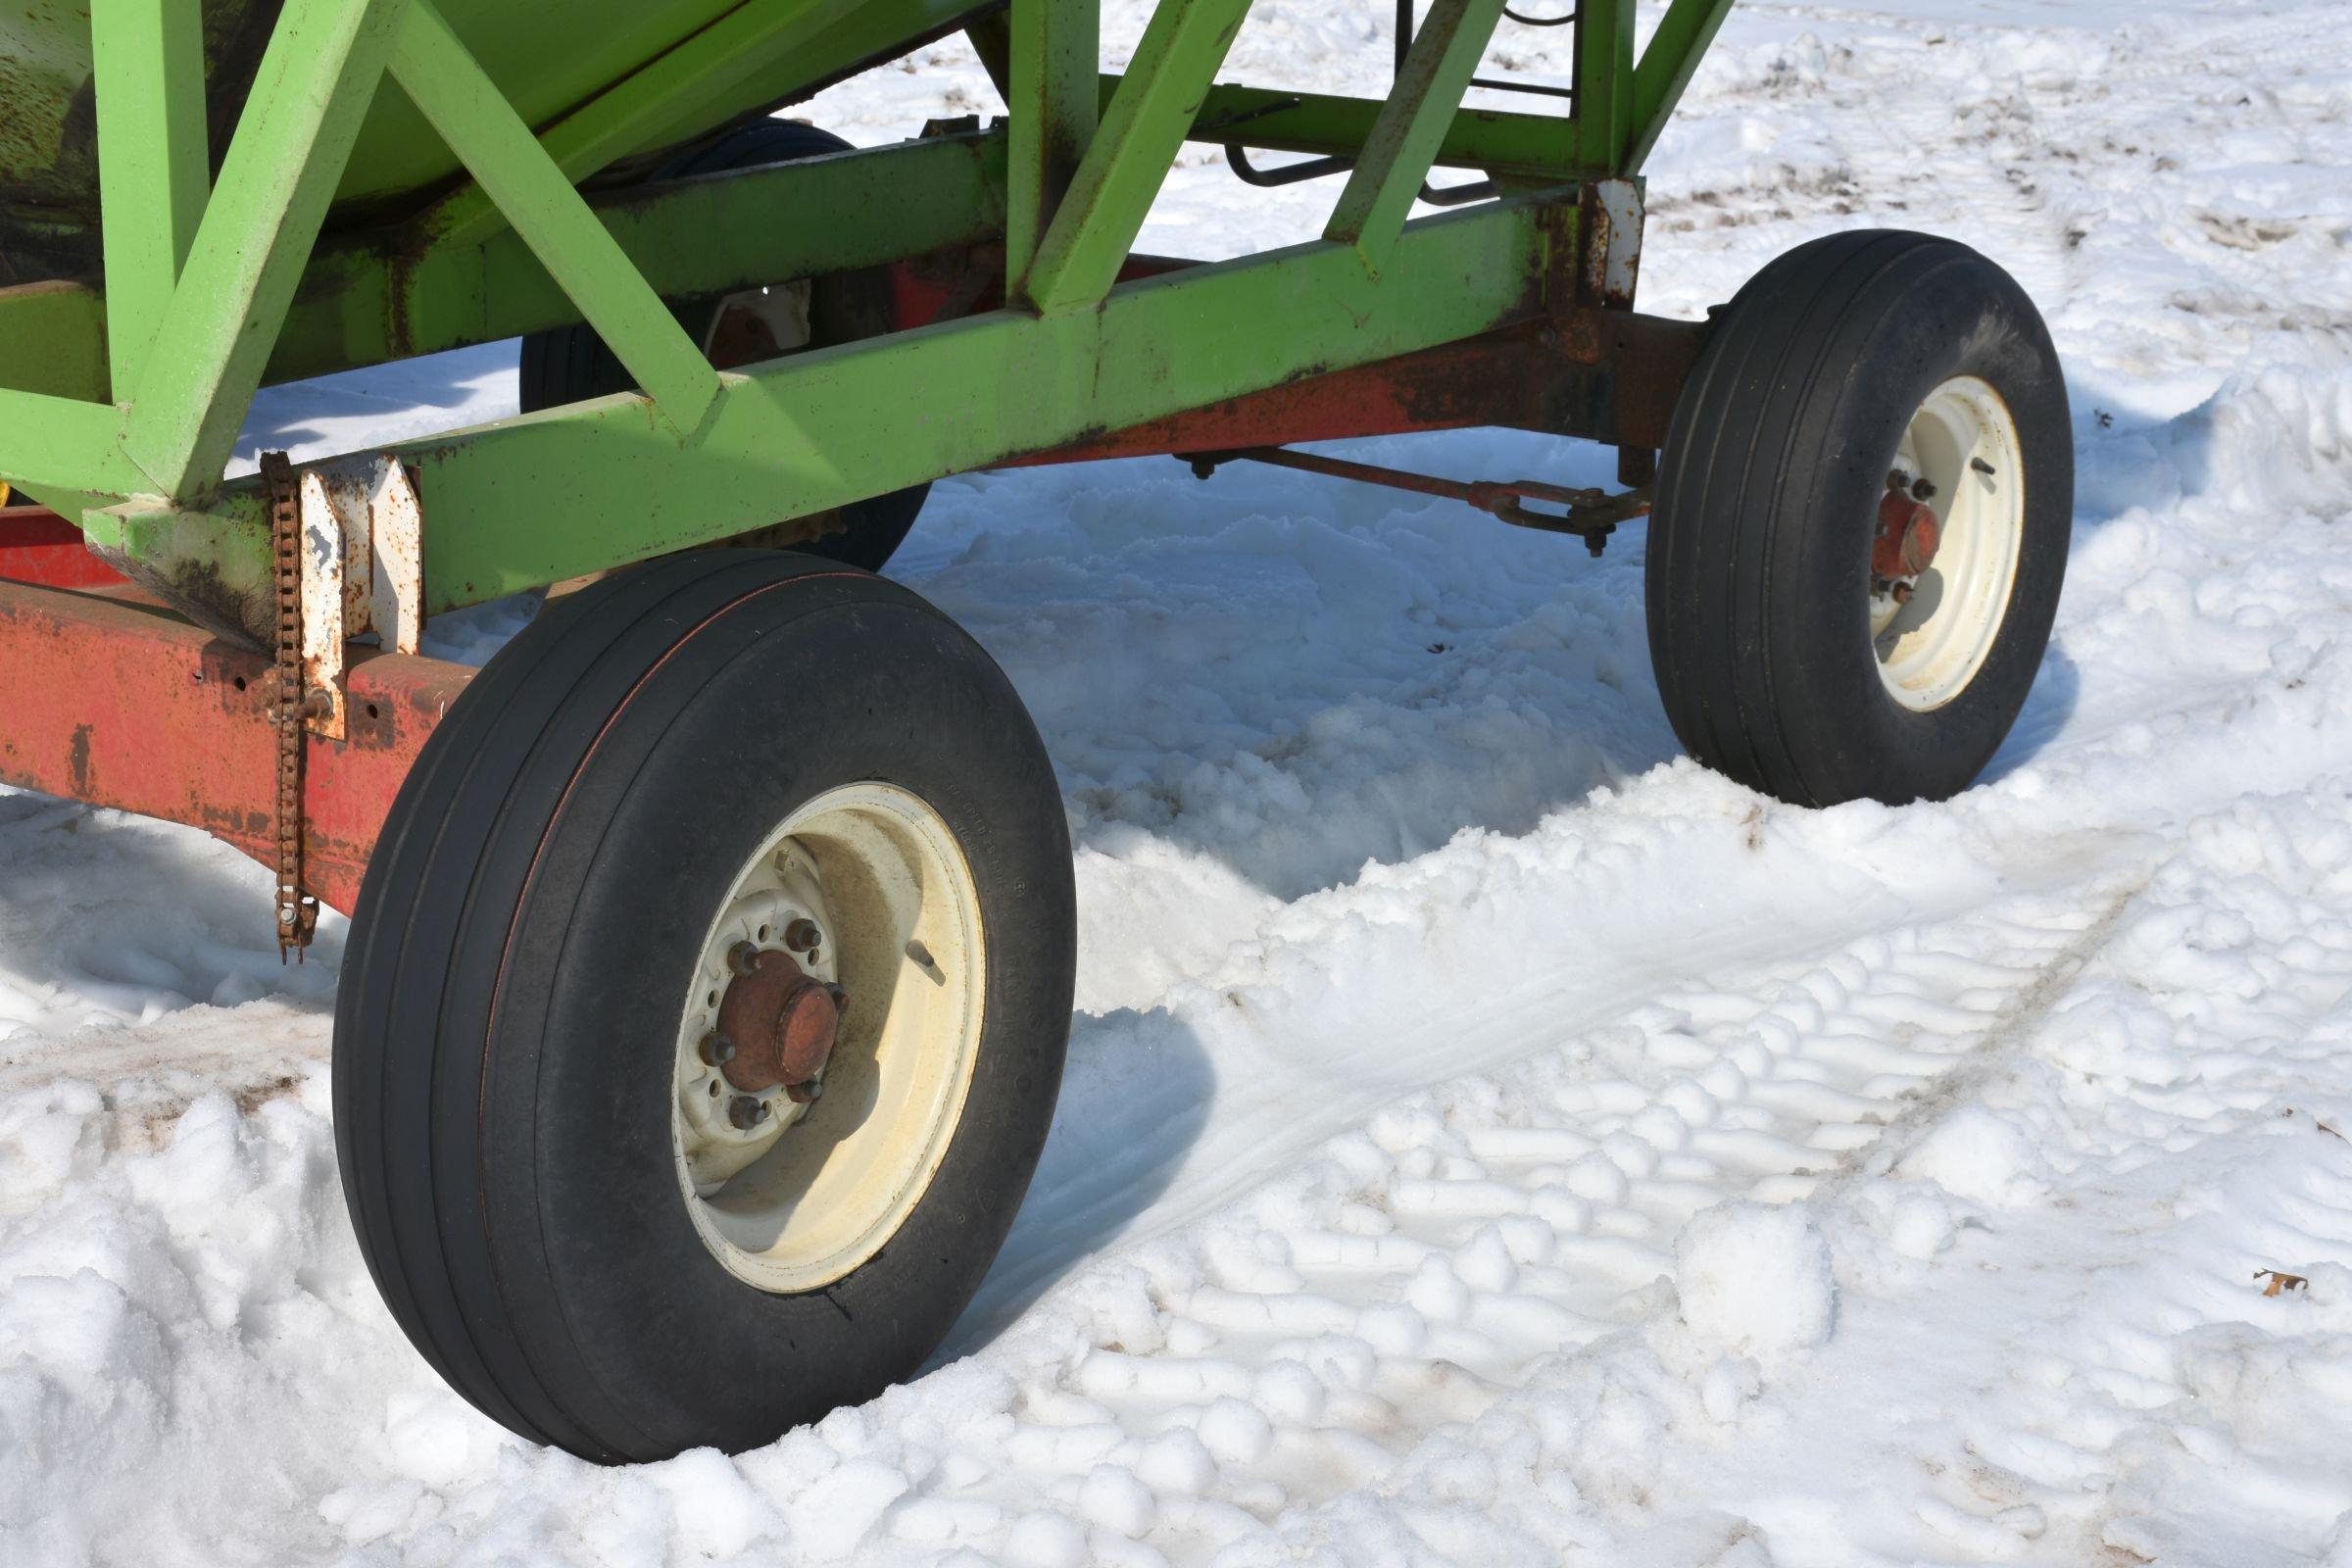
column 863, row 889
column 1959, row 458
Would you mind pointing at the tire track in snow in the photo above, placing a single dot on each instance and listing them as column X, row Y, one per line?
column 1291, row 1348
column 2010, row 1032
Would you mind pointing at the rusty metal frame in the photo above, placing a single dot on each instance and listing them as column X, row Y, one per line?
column 129, row 705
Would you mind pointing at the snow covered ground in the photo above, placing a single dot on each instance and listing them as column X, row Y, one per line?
column 1489, row 1137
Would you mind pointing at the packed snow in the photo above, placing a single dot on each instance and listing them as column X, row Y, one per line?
column 1489, row 1138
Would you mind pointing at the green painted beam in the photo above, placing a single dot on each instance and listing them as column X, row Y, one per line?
column 154, row 167
column 1605, row 83
column 312, row 87
column 55, row 343
column 1053, row 61
column 638, row 111
column 1144, row 124
column 365, row 302
column 867, row 35
column 1673, row 54
column 367, row 298
column 1499, row 141
column 1404, row 141
column 547, row 496
column 66, row 444
column 55, row 348
column 213, row 565
column 434, row 69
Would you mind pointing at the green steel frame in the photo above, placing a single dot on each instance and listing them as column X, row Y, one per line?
column 118, row 407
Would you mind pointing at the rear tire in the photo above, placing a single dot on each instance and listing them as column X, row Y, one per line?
column 530, row 969
column 570, row 363
column 1784, row 658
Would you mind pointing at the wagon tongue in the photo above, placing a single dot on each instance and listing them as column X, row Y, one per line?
column 782, row 1023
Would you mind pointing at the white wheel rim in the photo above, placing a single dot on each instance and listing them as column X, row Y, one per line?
column 812, row 1192
column 1963, row 443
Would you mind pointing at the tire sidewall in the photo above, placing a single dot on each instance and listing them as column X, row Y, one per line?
column 674, row 798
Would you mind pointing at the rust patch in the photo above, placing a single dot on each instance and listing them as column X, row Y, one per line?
column 128, row 706
column 780, row 1021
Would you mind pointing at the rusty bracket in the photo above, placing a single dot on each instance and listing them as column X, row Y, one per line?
column 1608, row 229
column 362, row 571
column 1591, row 514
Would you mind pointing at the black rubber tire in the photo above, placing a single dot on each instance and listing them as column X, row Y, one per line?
column 528, row 924
column 1768, row 488
column 568, row 364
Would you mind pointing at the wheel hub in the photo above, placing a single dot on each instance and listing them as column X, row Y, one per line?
column 861, row 889
column 1944, row 544
column 1907, row 537
column 778, row 1025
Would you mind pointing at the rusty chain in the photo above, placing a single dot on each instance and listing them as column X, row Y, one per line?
column 297, row 911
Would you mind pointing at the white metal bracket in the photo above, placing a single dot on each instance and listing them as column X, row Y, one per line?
column 1611, row 241
column 362, row 571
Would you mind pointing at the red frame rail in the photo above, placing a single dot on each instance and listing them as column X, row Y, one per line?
column 128, row 706
column 37, row 545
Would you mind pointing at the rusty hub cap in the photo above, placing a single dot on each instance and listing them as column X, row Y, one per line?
column 781, row 1022
column 1906, row 540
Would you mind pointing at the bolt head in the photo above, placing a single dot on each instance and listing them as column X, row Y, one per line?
column 717, row 1049
column 803, row 936
column 745, row 1113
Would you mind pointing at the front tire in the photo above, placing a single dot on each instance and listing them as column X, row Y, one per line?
column 1865, row 395
column 684, row 772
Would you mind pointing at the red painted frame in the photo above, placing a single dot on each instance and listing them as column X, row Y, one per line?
column 37, row 545
column 129, row 706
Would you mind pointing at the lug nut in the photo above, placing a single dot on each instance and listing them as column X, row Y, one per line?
column 717, row 1049
column 808, row 1094
column 743, row 957
column 803, row 936
column 745, row 1113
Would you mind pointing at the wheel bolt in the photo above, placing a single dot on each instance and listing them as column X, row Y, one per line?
column 745, row 1113
column 803, row 936
column 717, row 1049
column 744, row 957
column 808, row 1094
